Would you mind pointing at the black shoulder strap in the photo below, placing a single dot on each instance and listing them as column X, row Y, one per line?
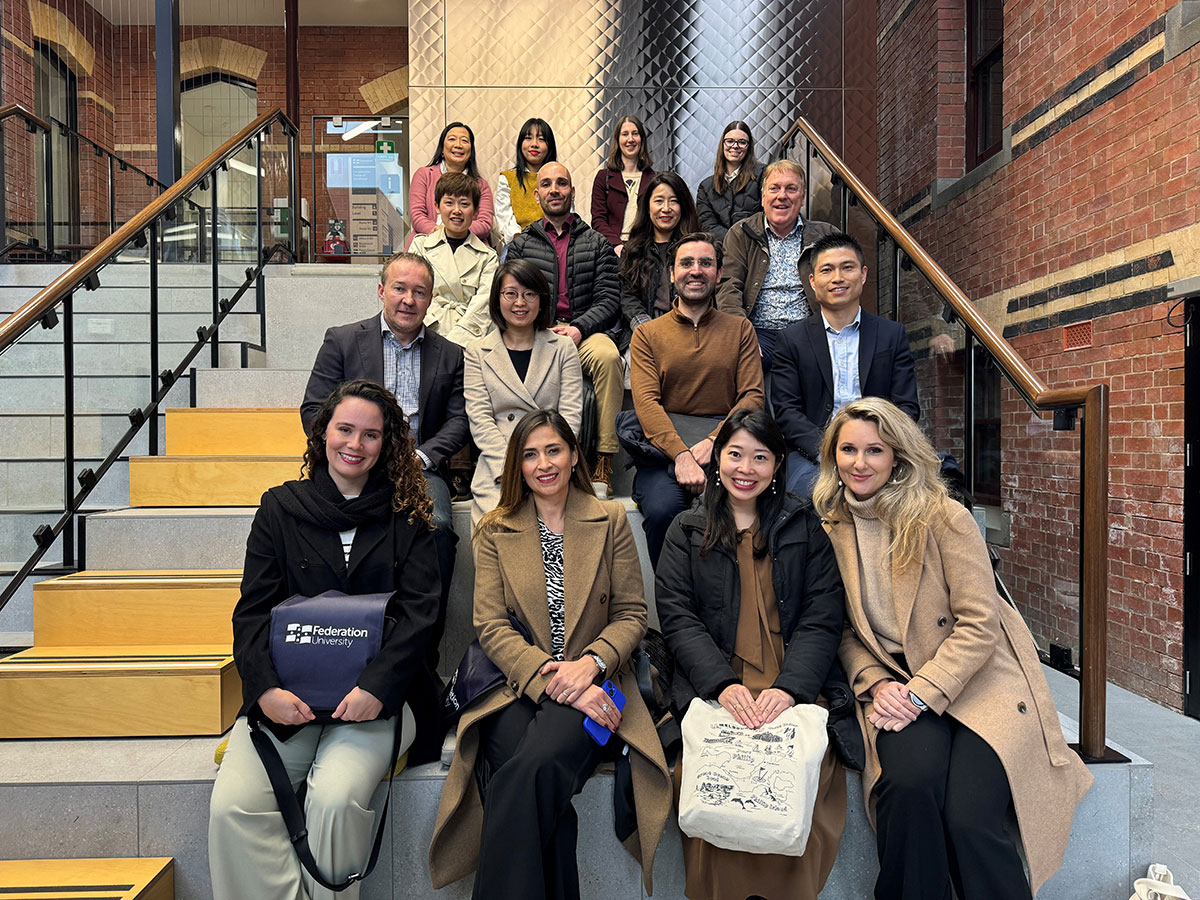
column 293, row 815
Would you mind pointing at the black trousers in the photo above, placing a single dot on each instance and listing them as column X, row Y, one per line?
column 539, row 757
column 941, row 806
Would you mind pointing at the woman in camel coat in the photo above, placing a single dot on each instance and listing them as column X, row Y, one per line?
column 958, row 719
column 518, row 367
column 524, row 837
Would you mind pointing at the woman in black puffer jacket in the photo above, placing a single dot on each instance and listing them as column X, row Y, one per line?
column 734, row 190
column 751, row 604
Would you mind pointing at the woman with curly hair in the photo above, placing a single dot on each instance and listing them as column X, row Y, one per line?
column 359, row 522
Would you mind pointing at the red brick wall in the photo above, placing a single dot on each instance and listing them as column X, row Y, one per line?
column 16, row 86
column 1119, row 175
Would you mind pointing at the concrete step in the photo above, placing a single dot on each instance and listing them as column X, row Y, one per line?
column 31, row 434
column 206, row 480
column 134, row 328
column 194, row 298
column 302, row 301
column 118, row 691
column 150, row 798
column 232, row 432
column 98, row 394
column 16, row 537
column 123, row 879
column 96, row 608
column 33, row 483
column 281, row 388
column 123, row 274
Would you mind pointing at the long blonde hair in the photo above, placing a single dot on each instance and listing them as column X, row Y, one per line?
column 912, row 500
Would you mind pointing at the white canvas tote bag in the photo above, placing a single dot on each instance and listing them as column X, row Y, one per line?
column 751, row 790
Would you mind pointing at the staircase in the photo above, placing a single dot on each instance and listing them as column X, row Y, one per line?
column 130, row 767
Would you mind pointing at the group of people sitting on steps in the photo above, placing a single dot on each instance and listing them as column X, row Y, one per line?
column 805, row 548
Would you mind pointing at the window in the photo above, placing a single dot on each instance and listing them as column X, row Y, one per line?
column 985, row 79
column 212, row 109
column 56, row 100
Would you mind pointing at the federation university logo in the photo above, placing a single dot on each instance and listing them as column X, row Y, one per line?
column 322, row 635
column 298, row 634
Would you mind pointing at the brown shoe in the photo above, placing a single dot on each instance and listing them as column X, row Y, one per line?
column 602, row 475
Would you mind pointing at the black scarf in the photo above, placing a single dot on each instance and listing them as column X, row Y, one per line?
column 317, row 500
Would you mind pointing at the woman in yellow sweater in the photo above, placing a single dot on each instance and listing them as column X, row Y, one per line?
column 516, row 205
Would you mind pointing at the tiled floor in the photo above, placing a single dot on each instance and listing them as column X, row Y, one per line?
column 1172, row 743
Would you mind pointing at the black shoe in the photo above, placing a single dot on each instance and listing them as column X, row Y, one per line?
column 460, row 486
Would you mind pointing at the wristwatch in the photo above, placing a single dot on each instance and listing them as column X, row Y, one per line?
column 600, row 664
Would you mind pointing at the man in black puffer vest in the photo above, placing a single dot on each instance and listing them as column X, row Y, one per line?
column 581, row 267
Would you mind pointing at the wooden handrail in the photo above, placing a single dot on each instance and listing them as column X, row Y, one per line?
column 16, row 109
column 1092, row 398
column 51, row 295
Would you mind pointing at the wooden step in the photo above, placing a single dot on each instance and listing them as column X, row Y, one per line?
column 121, row 691
column 148, row 878
column 206, row 480
column 127, row 607
column 235, row 432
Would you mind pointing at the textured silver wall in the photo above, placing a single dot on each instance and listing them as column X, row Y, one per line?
column 685, row 68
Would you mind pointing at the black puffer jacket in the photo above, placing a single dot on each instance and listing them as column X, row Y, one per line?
column 592, row 284
column 719, row 212
column 699, row 599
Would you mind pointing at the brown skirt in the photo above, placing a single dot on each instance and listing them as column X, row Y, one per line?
column 717, row 874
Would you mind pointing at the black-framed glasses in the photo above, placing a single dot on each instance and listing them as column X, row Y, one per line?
column 738, row 143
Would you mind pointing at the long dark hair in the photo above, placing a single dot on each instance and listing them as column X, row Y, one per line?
column 551, row 147
column 529, row 276
column 638, row 265
column 613, row 161
column 720, row 530
column 397, row 456
column 749, row 163
column 440, row 154
column 513, row 489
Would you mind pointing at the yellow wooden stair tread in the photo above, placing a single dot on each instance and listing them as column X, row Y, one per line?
column 234, row 431
column 206, row 480
column 147, row 878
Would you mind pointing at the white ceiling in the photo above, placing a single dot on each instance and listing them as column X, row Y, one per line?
column 353, row 13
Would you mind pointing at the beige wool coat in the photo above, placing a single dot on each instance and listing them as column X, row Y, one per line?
column 972, row 657
column 462, row 284
column 605, row 614
column 497, row 400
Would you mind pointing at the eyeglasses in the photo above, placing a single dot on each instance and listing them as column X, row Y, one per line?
column 528, row 296
column 738, row 143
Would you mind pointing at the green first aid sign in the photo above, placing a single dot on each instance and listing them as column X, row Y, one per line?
column 385, row 147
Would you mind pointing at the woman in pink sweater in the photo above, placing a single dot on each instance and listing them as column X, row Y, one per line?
column 455, row 153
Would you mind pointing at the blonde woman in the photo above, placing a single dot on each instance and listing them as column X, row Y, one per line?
column 958, row 720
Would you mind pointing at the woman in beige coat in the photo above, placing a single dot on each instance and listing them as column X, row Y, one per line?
column 564, row 564
column 957, row 715
column 520, row 366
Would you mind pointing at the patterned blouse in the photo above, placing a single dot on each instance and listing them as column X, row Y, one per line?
column 552, row 561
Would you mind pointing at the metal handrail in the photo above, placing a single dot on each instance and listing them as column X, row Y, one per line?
column 84, row 270
column 16, row 110
column 1094, row 401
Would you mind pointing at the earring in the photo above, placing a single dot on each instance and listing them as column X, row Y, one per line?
column 774, row 484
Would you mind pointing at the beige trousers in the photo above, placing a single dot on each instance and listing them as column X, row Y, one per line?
column 249, row 854
column 601, row 362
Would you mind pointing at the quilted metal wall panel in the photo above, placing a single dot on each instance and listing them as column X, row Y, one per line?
column 685, row 68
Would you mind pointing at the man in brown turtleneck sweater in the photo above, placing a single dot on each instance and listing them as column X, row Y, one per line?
column 695, row 361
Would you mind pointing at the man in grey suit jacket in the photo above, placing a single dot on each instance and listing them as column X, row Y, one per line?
column 838, row 355
column 423, row 370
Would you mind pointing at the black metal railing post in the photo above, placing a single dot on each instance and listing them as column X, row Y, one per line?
column 68, row 335
column 112, row 194
column 897, row 259
column 216, row 271
column 48, row 164
column 258, row 187
column 970, row 412
column 152, row 437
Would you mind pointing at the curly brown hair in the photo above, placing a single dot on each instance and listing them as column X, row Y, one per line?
column 398, row 454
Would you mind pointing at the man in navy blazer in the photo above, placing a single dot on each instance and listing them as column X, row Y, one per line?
column 827, row 360
column 425, row 372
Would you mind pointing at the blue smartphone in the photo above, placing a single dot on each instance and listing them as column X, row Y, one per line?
column 599, row 733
